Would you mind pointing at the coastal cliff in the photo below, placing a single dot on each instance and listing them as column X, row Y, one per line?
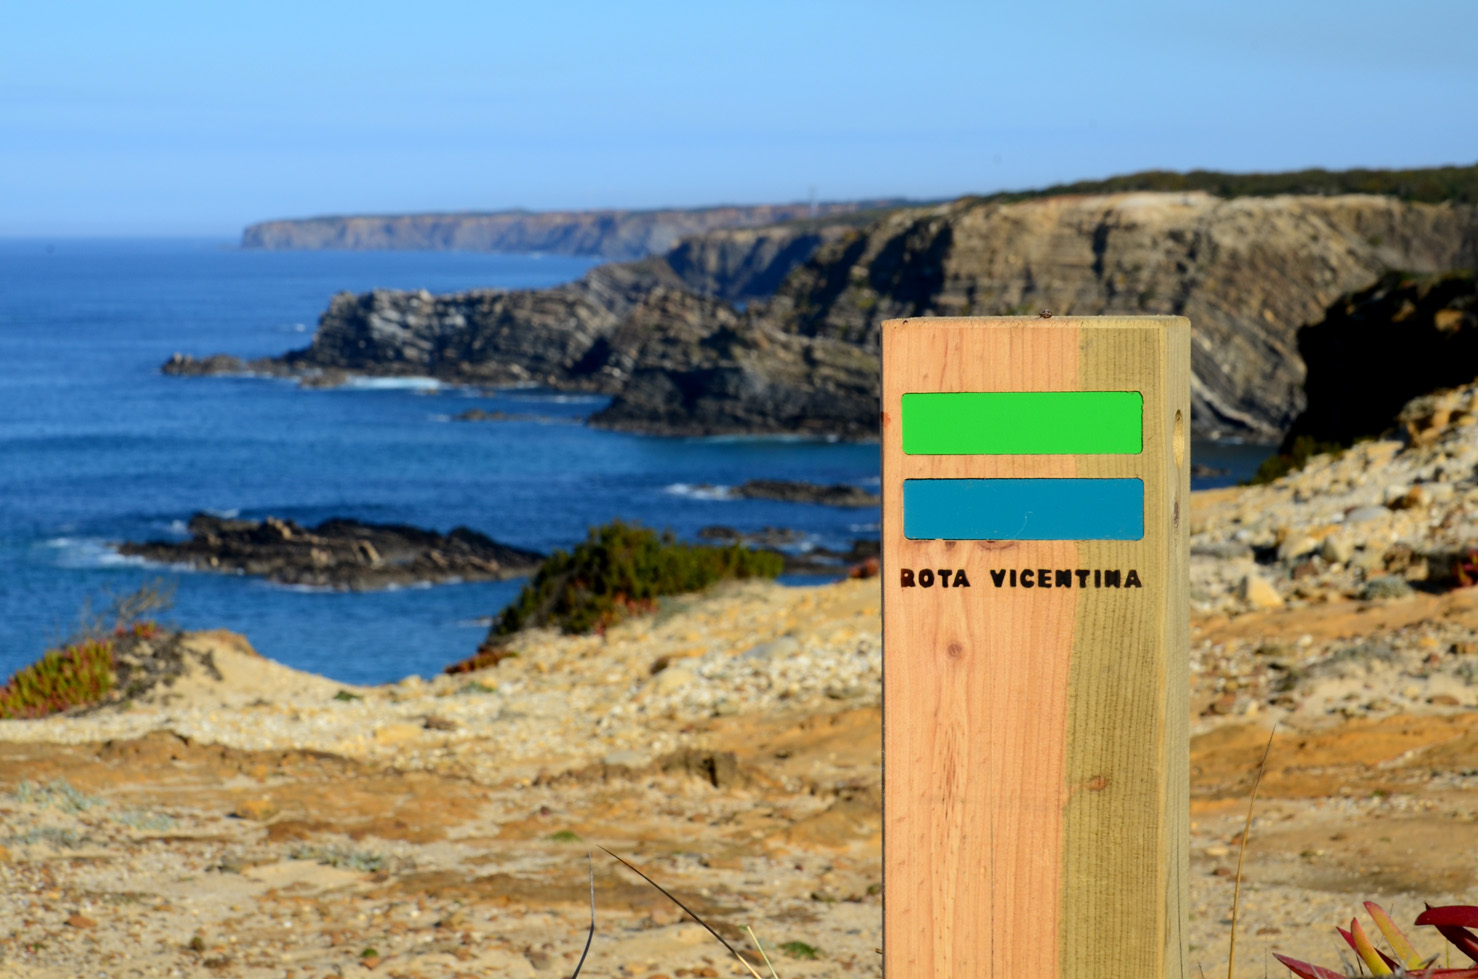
column 608, row 234
column 776, row 329
column 1248, row 272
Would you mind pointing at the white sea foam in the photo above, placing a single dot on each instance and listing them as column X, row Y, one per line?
column 229, row 514
column 699, row 491
column 86, row 552
column 865, row 528
column 393, row 384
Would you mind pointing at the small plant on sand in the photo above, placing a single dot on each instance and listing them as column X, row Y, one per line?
column 83, row 670
column 1452, row 923
column 800, row 950
column 81, row 673
column 345, row 859
column 56, row 794
column 619, row 570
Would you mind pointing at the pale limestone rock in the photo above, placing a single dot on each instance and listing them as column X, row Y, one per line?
column 1258, row 592
column 1337, row 549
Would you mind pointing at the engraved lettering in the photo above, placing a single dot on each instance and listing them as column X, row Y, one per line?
column 999, row 577
column 1082, row 574
column 1097, row 578
column 944, row 577
column 1063, row 579
column 905, row 576
column 1044, row 578
column 960, row 580
column 1026, row 578
column 1111, row 578
column 926, row 578
column 1131, row 580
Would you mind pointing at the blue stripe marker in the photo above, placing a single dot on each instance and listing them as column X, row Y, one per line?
column 1023, row 509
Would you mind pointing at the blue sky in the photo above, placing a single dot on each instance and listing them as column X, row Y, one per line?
column 198, row 118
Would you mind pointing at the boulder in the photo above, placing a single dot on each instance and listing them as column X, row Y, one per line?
column 338, row 553
column 1258, row 592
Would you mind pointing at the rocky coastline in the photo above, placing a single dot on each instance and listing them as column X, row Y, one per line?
column 799, row 353
column 242, row 818
column 338, row 553
column 614, row 234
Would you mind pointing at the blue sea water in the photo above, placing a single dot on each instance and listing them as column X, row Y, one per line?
column 96, row 446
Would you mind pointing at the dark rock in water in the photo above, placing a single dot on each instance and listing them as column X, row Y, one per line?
column 183, row 365
column 821, row 560
column 344, row 554
column 787, row 543
column 1376, row 350
column 485, row 336
column 791, row 491
column 766, row 538
column 1201, row 471
column 481, row 415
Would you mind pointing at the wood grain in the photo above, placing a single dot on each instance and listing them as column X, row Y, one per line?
column 1035, row 740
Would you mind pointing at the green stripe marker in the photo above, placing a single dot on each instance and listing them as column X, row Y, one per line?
column 1023, row 423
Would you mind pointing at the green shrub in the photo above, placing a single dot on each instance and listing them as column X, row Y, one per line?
column 617, row 571
column 800, row 950
column 1432, row 185
column 80, row 673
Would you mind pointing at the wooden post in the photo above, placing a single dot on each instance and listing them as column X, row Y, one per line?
column 1035, row 647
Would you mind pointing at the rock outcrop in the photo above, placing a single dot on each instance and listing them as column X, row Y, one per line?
column 702, row 369
column 1248, row 272
column 1377, row 349
column 745, row 264
column 492, row 336
column 663, row 337
column 795, row 491
column 344, row 554
column 608, row 234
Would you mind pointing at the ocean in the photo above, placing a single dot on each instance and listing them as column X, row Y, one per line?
column 99, row 447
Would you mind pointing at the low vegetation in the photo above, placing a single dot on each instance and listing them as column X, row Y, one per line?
column 83, row 669
column 1452, row 923
column 76, row 674
column 619, row 570
column 1430, row 185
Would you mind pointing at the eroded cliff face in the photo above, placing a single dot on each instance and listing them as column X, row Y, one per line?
column 746, row 264
column 491, row 336
column 1248, row 272
column 1377, row 349
column 608, row 234
column 692, row 365
column 664, row 338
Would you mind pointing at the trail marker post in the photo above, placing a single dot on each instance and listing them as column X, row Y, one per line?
column 1035, row 647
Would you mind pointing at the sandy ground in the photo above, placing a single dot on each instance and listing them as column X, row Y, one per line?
column 253, row 821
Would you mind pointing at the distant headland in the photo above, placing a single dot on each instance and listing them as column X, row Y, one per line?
column 614, row 234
